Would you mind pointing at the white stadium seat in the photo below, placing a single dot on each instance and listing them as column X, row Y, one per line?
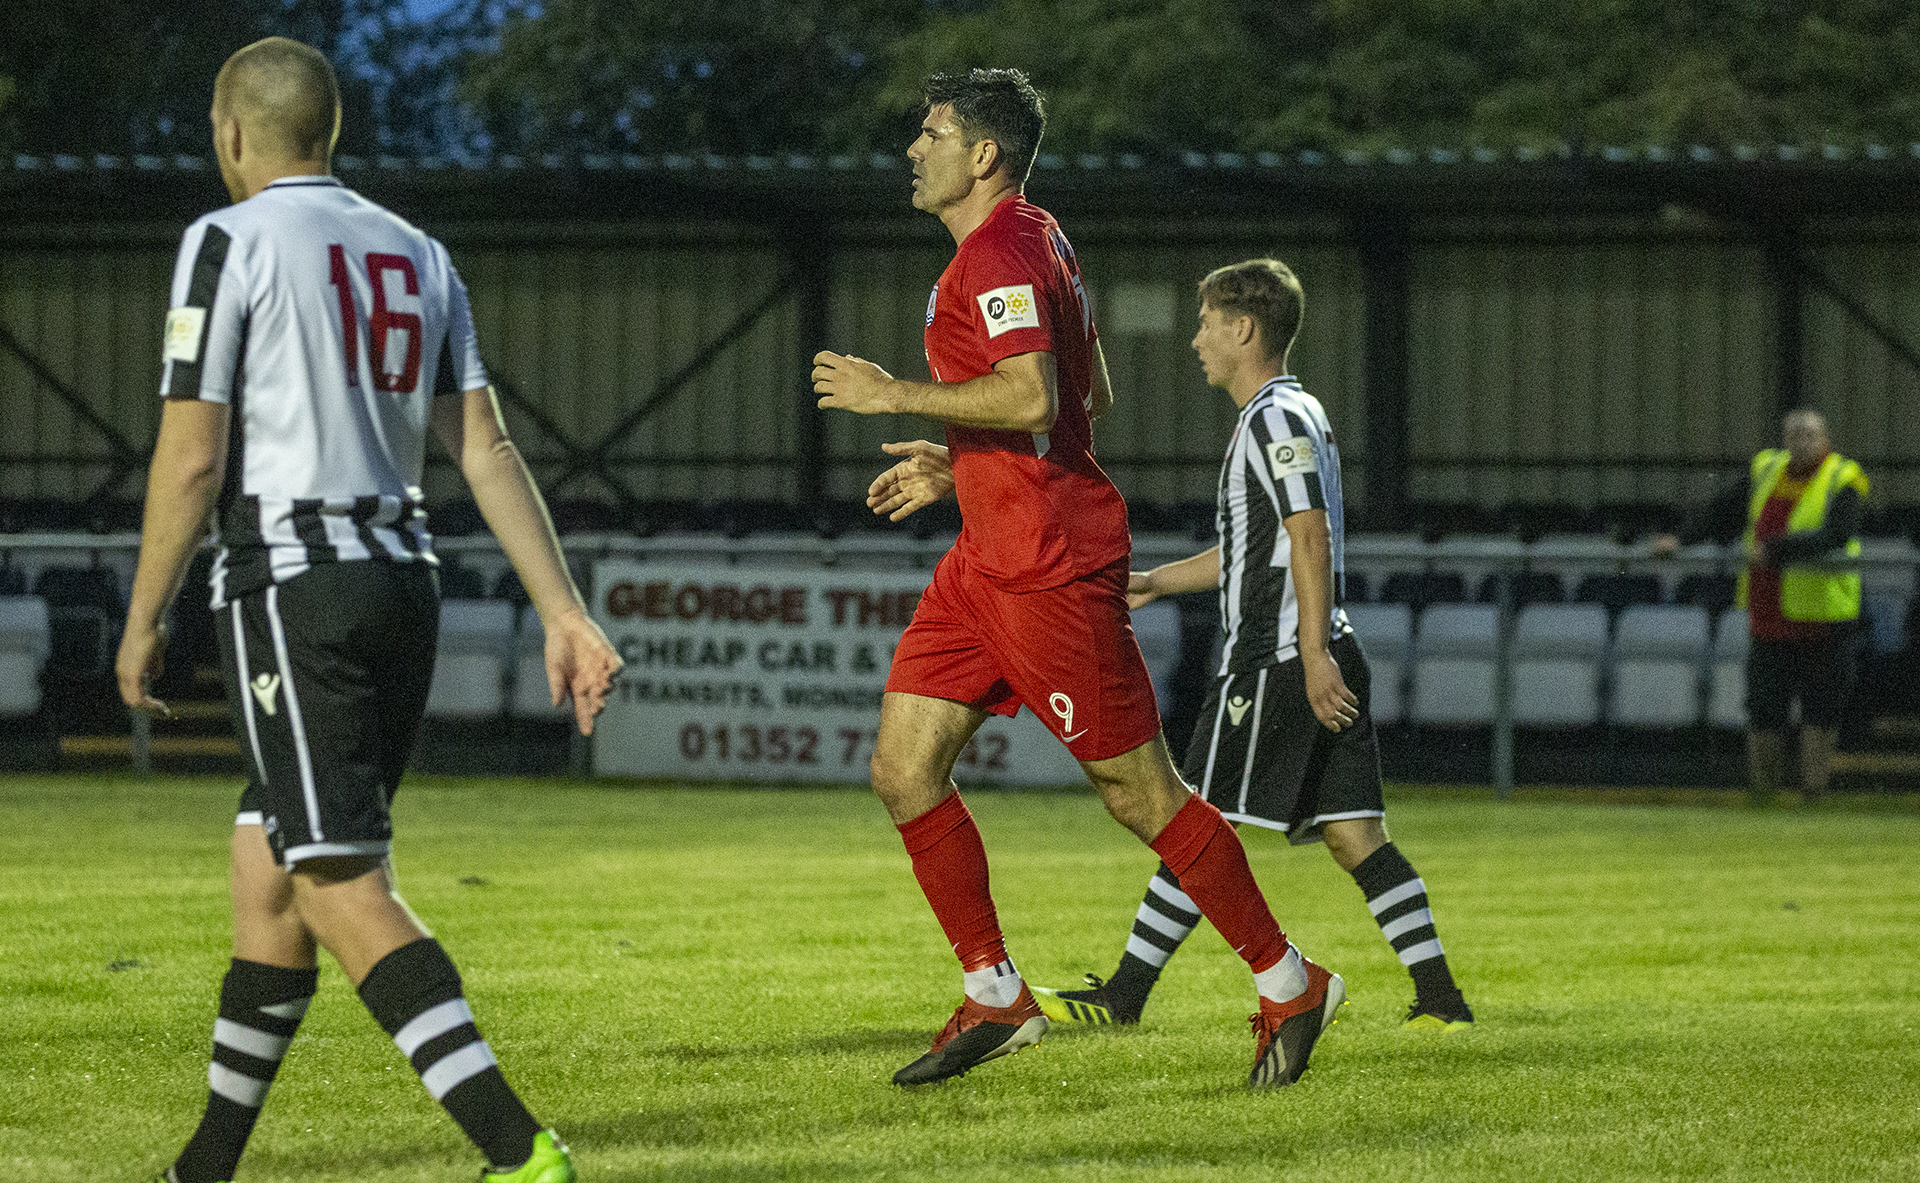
column 1157, row 627
column 1557, row 655
column 1385, row 632
column 531, row 698
column 1659, row 654
column 469, row 677
column 26, row 638
column 1453, row 666
column 1727, row 696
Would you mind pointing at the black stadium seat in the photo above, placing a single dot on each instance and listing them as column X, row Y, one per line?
column 1417, row 589
column 1529, row 587
column 1711, row 590
column 1619, row 590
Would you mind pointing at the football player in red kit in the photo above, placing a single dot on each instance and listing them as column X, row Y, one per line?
column 1030, row 604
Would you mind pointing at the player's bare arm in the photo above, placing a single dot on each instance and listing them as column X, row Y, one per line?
column 1022, row 393
column 924, row 477
column 1333, row 703
column 1199, row 572
column 189, row 463
column 1100, row 398
column 580, row 661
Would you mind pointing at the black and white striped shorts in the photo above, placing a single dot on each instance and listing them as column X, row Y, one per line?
column 327, row 678
column 1260, row 756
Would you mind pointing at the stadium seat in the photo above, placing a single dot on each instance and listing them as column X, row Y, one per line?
column 1529, row 587
column 469, row 676
column 1710, row 590
column 26, row 638
column 1617, row 591
column 531, row 698
column 1385, row 632
column 1727, row 691
column 1157, row 627
column 1453, row 666
column 1659, row 654
column 459, row 582
column 1557, row 656
column 1417, row 589
column 85, row 613
column 1355, row 587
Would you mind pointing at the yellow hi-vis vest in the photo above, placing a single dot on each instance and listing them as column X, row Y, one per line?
column 1806, row 593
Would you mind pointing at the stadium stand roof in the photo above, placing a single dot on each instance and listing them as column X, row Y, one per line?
column 1743, row 184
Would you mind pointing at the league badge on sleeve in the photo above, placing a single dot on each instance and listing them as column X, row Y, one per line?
column 183, row 334
column 1292, row 457
column 1009, row 308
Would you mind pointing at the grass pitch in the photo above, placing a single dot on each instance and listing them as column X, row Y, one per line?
column 714, row 985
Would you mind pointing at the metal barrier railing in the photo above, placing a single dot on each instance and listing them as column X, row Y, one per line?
column 1888, row 567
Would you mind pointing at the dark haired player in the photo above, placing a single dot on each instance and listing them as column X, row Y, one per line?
column 313, row 339
column 1030, row 604
column 1285, row 740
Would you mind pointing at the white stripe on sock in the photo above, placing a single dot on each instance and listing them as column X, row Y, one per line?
column 241, row 1090
column 1393, row 895
column 295, row 1009
column 1407, row 923
column 261, row 1045
column 1424, row 951
column 431, row 1023
column 1172, row 895
column 1153, row 955
column 452, row 1069
column 1161, row 924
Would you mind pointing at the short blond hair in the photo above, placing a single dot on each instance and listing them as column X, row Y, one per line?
column 285, row 93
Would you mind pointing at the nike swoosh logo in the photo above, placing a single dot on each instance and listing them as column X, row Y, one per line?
column 1074, row 736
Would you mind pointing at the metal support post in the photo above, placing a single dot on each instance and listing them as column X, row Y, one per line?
column 142, row 742
column 1503, row 690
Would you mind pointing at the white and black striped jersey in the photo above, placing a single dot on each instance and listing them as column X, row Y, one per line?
column 1281, row 461
column 328, row 324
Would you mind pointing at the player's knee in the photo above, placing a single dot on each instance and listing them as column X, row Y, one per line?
column 332, row 870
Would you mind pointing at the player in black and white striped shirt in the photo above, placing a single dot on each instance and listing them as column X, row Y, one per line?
column 313, row 341
column 1285, row 740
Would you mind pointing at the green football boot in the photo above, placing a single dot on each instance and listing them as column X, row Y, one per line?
column 550, row 1164
column 1453, row 1016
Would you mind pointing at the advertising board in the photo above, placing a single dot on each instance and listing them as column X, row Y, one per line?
column 772, row 674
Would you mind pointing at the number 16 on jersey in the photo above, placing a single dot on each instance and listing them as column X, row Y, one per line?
column 382, row 322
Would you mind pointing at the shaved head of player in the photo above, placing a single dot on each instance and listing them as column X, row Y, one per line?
column 276, row 113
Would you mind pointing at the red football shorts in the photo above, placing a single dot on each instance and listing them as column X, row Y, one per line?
column 1067, row 652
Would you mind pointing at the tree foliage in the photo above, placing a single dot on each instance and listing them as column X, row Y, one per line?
column 816, row 76
column 1218, row 75
column 118, row 77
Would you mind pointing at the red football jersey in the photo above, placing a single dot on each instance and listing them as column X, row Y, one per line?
column 1036, row 510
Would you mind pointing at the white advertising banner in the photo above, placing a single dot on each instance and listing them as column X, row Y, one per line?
column 772, row 674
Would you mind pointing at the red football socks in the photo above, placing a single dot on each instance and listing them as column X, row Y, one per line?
column 1202, row 850
column 950, row 862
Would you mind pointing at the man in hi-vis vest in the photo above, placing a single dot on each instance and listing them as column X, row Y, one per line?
column 1804, row 504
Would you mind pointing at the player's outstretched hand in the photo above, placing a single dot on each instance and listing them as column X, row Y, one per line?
column 1140, row 590
column 1333, row 704
column 924, row 477
column 850, row 384
column 142, row 658
column 581, row 663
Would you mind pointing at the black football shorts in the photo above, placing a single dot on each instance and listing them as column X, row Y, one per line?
column 327, row 678
column 1260, row 756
